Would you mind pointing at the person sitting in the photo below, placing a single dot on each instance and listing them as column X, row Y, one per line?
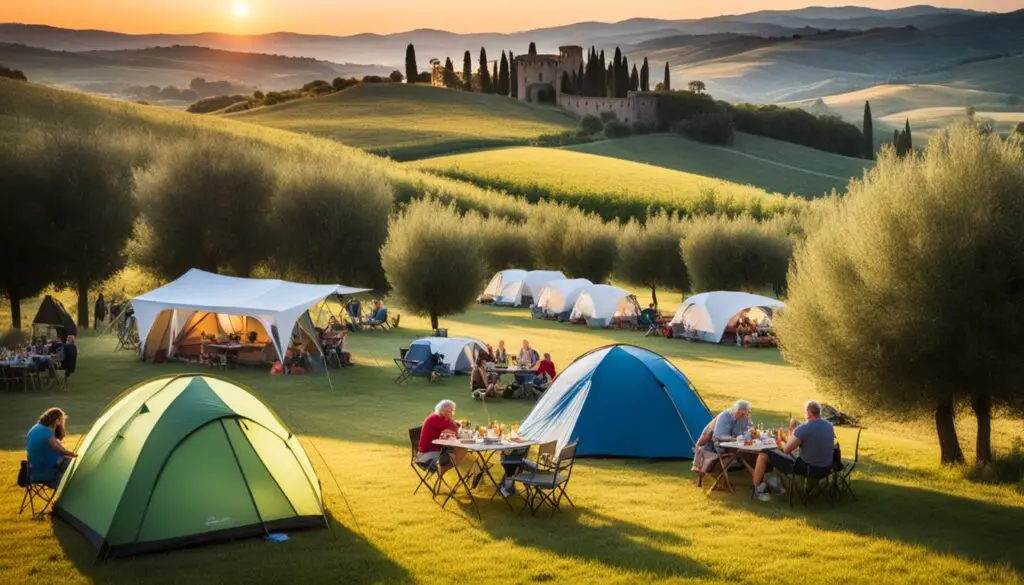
column 500, row 354
column 545, row 373
column 528, row 358
column 480, row 384
column 440, row 424
column 816, row 440
column 380, row 314
column 488, row 353
column 731, row 424
column 649, row 315
column 46, row 456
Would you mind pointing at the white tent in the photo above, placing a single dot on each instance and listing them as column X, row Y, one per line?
column 505, row 286
column 559, row 296
column 268, row 307
column 459, row 352
column 706, row 316
column 536, row 280
column 602, row 303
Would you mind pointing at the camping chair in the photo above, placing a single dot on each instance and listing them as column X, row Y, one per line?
column 354, row 310
column 843, row 469
column 549, row 487
column 405, row 368
column 441, row 369
column 378, row 321
column 808, row 485
column 545, row 457
column 720, row 466
column 34, row 491
column 423, row 471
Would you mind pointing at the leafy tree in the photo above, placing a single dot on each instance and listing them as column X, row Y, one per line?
column 589, row 247
column 697, row 86
column 868, row 130
column 532, row 50
column 432, row 259
column 881, row 254
column 667, row 84
column 329, row 223
column 258, row 95
column 411, row 70
column 513, row 76
column 502, row 243
column 645, row 76
column 736, row 254
column 396, row 76
column 204, row 204
column 649, row 254
column 634, row 80
column 25, row 231
column 591, row 124
column 467, row 71
column 88, row 184
column 485, row 74
column 503, row 83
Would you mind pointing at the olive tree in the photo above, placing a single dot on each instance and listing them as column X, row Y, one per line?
column 649, row 254
column 432, row 259
column 329, row 222
column 908, row 296
column 503, row 243
column 740, row 253
column 204, row 203
column 590, row 247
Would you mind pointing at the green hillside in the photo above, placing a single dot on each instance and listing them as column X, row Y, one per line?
column 771, row 165
column 413, row 121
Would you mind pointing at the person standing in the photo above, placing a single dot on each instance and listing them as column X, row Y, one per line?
column 99, row 312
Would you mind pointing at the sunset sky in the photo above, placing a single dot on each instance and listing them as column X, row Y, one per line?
column 343, row 17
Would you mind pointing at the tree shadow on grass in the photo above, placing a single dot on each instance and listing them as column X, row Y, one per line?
column 589, row 535
column 337, row 555
column 945, row 523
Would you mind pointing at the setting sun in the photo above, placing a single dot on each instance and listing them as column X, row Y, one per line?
column 240, row 10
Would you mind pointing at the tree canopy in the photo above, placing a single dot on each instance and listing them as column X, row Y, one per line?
column 736, row 254
column 649, row 254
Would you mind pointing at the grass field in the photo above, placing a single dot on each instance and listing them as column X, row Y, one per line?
column 635, row 521
column 413, row 121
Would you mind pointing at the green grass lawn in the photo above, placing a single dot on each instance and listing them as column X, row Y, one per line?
column 772, row 165
column 413, row 121
column 636, row 521
column 604, row 181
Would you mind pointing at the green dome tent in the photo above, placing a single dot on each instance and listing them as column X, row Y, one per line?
column 184, row 460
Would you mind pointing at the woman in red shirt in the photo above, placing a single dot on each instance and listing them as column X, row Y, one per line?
column 438, row 425
column 545, row 372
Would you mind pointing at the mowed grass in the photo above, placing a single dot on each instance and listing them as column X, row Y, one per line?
column 413, row 121
column 636, row 521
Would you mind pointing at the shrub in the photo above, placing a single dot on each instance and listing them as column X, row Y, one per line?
column 616, row 129
column 396, row 76
column 736, row 254
column 317, row 87
column 432, row 260
column 9, row 73
column 649, row 254
column 566, row 138
column 503, row 243
column 1006, row 469
column 591, row 124
column 589, row 247
column 709, row 128
column 212, row 104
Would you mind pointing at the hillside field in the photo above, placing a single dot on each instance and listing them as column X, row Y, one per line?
column 413, row 121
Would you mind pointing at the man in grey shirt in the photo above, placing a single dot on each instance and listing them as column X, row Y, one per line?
column 730, row 423
column 816, row 441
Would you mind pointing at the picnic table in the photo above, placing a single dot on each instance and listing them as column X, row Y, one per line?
column 231, row 348
column 520, row 373
column 481, row 451
column 27, row 371
column 735, row 450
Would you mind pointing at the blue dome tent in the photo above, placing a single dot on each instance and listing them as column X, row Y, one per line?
column 458, row 353
column 620, row 401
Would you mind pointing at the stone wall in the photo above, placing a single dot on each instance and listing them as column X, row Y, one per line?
column 638, row 107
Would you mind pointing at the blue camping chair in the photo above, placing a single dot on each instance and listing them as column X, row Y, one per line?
column 379, row 320
column 354, row 310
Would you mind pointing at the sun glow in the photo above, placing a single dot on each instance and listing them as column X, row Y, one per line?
column 240, row 10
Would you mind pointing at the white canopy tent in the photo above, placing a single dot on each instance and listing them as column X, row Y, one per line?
column 506, row 284
column 603, row 302
column 707, row 316
column 276, row 305
column 559, row 296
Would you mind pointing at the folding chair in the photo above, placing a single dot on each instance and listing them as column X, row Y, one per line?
column 808, row 485
column 354, row 311
column 379, row 321
column 34, row 491
column 549, row 487
column 423, row 471
column 405, row 368
column 545, row 457
column 843, row 469
column 721, row 463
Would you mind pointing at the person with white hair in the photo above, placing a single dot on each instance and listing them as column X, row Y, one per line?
column 439, row 424
column 732, row 423
column 816, row 440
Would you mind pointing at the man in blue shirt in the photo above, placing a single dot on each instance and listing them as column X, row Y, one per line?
column 816, row 440
column 46, row 455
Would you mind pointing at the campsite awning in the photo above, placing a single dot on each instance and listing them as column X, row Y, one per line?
column 276, row 303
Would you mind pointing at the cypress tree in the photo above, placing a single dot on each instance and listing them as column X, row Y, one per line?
column 494, row 78
column 615, row 80
column 467, row 71
column 533, row 49
column 503, row 76
column 601, row 77
column 645, row 76
column 513, row 77
column 609, row 80
column 896, row 142
column 411, row 71
column 868, row 130
column 668, row 79
column 581, row 82
column 622, row 78
column 634, row 80
column 485, row 74
column 909, row 139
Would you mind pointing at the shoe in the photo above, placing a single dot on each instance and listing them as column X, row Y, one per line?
column 776, row 485
column 507, row 491
column 763, row 497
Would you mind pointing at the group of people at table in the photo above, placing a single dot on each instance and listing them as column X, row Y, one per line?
column 810, row 444
column 533, row 374
column 43, row 356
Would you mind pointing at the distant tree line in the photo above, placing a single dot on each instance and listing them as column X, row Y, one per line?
column 227, row 104
column 12, row 73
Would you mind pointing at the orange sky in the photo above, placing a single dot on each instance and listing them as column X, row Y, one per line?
column 342, row 17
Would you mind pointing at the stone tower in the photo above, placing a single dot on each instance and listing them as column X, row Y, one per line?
column 570, row 59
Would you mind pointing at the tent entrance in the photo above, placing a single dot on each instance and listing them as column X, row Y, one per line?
column 185, row 335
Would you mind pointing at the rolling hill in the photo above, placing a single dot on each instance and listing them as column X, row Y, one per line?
column 413, row 121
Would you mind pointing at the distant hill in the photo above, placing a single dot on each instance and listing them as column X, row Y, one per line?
column 413, row 121
column 176, row 65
